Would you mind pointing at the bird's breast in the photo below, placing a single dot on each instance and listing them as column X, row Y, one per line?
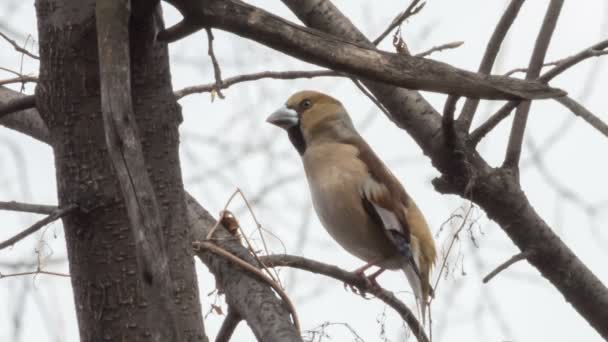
column 335, row 176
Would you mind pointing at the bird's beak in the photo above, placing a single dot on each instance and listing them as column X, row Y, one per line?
column 283, row 117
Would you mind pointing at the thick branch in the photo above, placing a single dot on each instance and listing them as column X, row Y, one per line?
column 489, row 57
column 26, row 121
column 17, row 104
column 352, row 279
column 328, row 51
column 57, row 214
column 536, row 64
column 125, row 151
column 230, row 323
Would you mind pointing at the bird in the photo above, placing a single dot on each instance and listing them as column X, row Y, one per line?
column 360, row 203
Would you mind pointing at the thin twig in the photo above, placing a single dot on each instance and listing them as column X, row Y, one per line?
column 513, row 71
column 281, row 75
column 57, row 214
column 17, row 47
column 455, row 237
column 371, row 96
column 505, row 265
column 17, row 104
column 230, row 323
column 33, row 273
column 238, row 261
column 563, row 65
column 543, row 39
column 258, row 227
column 411, row 10
column 452, row 45
column 353, row 280
column 217, row 72
column 28, row 207
column 584, row 113
column 19, row 79
column 489, row 57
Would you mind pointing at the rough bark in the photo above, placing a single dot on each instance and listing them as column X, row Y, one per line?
column 108, row 292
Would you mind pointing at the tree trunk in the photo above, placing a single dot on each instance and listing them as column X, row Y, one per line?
column 109, row 299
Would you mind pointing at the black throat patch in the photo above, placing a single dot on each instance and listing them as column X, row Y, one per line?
column 297, row 139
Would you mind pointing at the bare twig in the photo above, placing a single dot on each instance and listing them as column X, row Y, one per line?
column 36, row 226
column 452, row 45
column 28, row 207
column 489, row 57
column 505, row 265
column 455, row 237
column 370, row 96
column 230, row 323
column 414, row 7
column 354, row 280
column 584, row 113
column 217, row 71
column 36, row 272
column 281, row 75
column 563, row 65
column 18, row 104
column 258, row 227
column 238, row 261
column 516, row 137
column 516, row 70
column 19, row 79
column 17, row 47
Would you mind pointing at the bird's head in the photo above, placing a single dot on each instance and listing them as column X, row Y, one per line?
column 309, row 115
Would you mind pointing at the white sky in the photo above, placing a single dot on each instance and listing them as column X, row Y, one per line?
column 518, row 305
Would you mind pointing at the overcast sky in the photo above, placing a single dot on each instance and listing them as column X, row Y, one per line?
column 226, row 144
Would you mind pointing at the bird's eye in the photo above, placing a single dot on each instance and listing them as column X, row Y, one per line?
column 306, row 104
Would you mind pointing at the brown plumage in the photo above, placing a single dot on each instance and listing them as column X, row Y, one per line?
column 358, row 200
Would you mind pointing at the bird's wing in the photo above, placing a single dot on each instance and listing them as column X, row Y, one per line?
column 388, row 204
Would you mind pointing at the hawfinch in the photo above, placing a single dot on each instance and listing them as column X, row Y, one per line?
column 358, row 200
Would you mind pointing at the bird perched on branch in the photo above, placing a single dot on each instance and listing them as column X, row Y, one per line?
column 358, row 200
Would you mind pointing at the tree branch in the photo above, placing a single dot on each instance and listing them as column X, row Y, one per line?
column 561, row 66
column 280, row 75
column 517, row 257
column 343, row 56
column 246, row 293
column 414, row 7
column 17, row 104
column 230, row 323
column 17, row 47
column 489, row 57
column 584, row 113
column 536, row 63
column 28, row 208
column 26, row 121
column 352, row 279
column 452, row 45
column 208, row 246
column 55, row 215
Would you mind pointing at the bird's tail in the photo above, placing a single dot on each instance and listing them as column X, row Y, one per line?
column 415, row 281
